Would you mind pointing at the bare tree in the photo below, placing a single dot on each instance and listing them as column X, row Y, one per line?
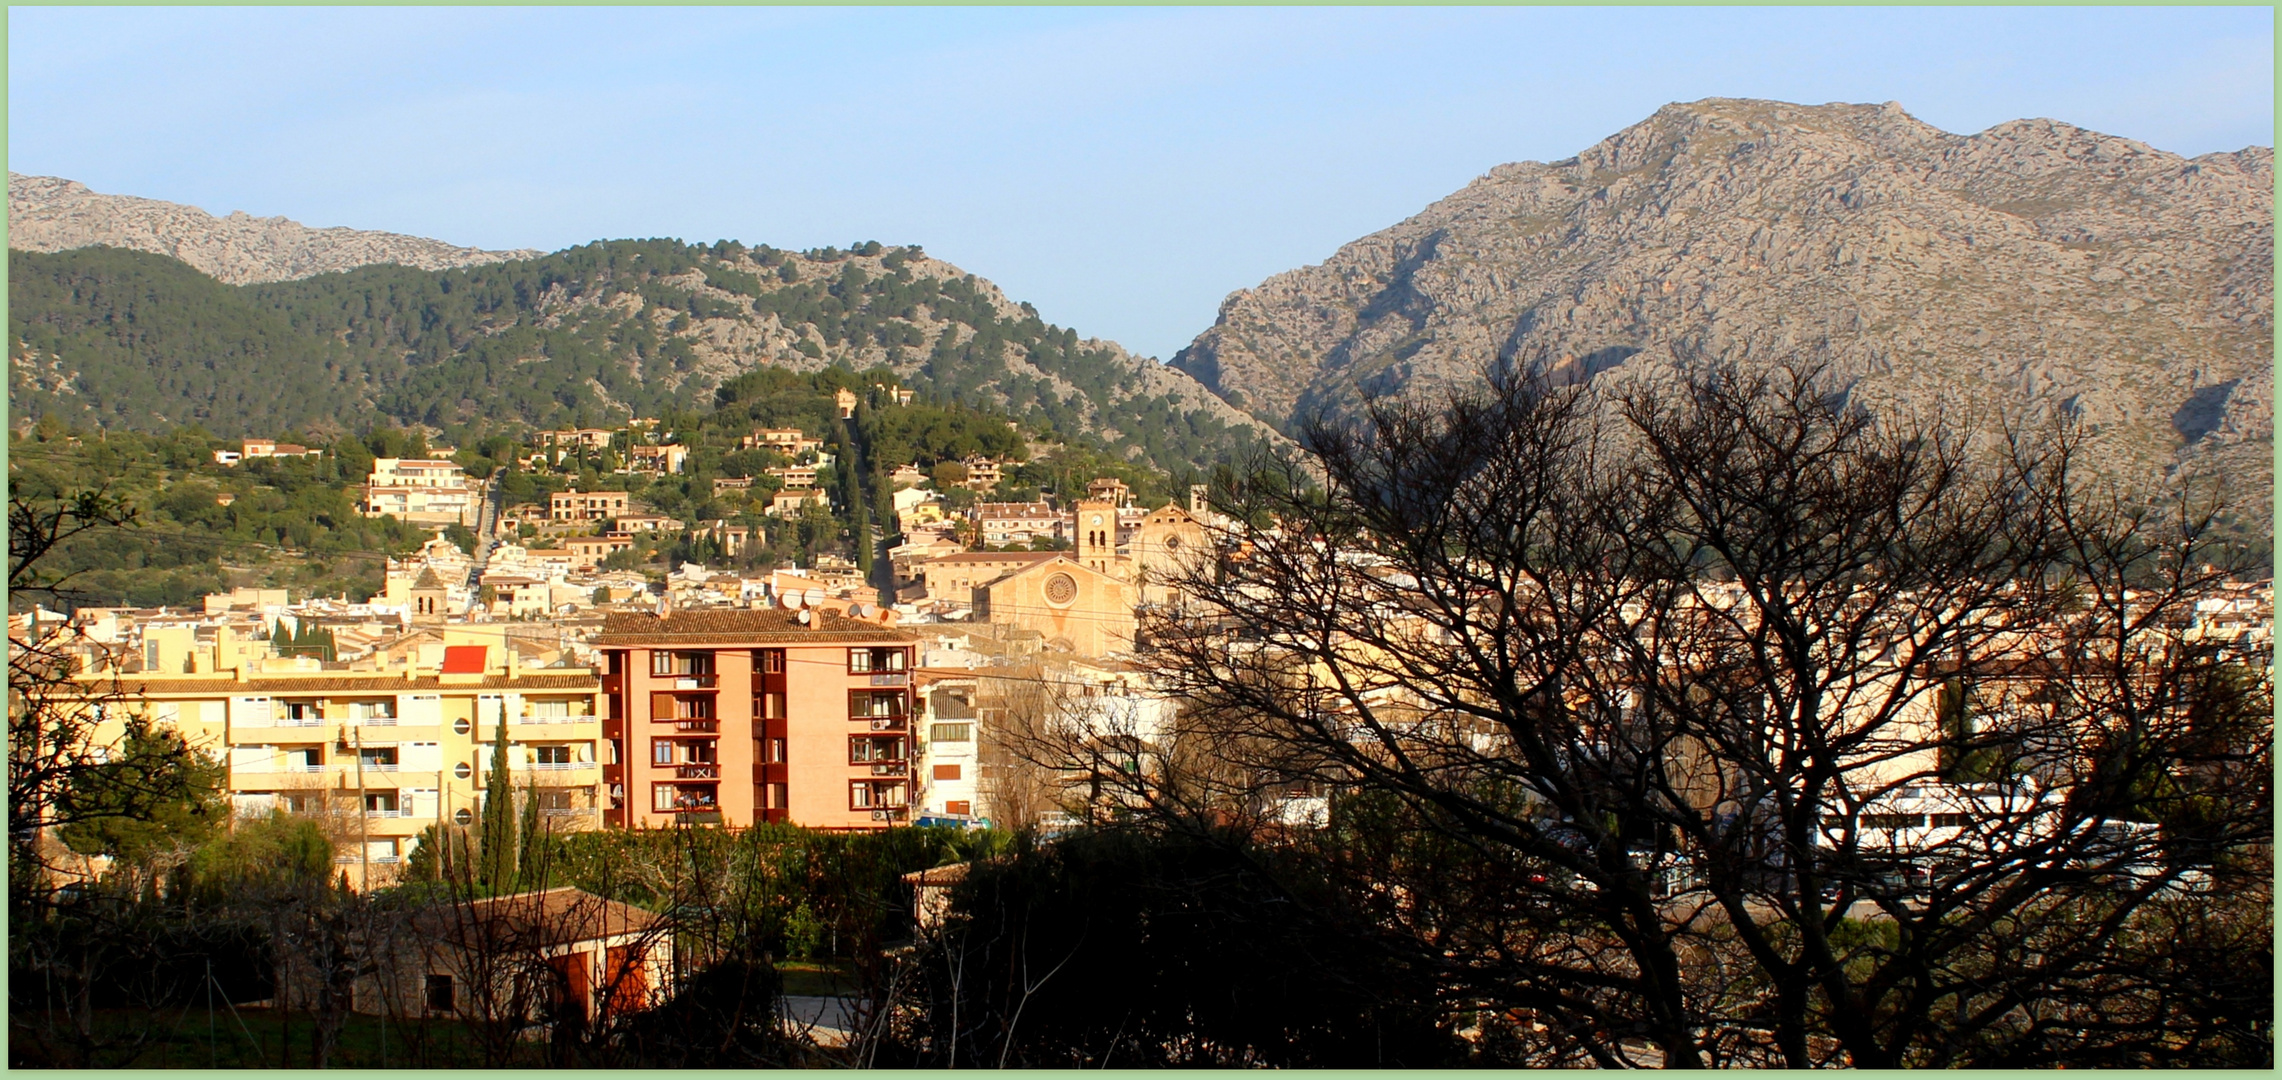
column 1733, row 725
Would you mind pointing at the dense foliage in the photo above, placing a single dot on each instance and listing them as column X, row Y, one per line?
column 585, row 336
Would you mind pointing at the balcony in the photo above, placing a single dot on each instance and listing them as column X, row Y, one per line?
column 528, row 717
column 891, row 768
column 613, row 685
column 373, row 766
column 555, row 766
column 388, row 813
column 297, row 721
column 890, row 678
column 697, row 772
column 681, row 724
column 689, row 682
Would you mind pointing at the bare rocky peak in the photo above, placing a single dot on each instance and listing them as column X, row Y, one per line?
column 2035, row 266
column 47, row 213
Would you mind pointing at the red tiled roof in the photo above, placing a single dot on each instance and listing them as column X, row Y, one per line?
column 966, row 557
column 375, row 683
column 769, row 625
column 464, row 659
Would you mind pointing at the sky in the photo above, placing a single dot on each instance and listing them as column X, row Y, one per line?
column 1123, row 169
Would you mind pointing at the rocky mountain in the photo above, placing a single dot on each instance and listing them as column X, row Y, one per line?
column 115, row 338
column 47, row 213
column 2031, row 267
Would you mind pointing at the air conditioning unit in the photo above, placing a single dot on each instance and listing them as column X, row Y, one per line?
column 883, row 723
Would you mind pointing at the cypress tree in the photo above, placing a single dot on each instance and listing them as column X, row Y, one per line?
column 499, row 819
column 530, row 866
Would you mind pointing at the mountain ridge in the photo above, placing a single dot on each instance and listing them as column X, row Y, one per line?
column 50, row 213
column 2035, row 266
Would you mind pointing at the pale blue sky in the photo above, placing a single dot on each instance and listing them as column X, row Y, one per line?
column 1121, row 168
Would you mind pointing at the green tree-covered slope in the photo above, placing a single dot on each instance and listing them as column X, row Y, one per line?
column 130, row 340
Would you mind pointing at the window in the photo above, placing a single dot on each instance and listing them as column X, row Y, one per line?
column 946, row 772
column 1893, row 821
column 772, row 661
column 777, row 796
column 439, row 993
column 859, row 796
column 380, row 802
column 776, row 751
column 951, row 732
column 555, row 799
column 550, row 710
column 661, row 751
column 681, row 663
column 866, row 703
column 669, row 798
column 381, row 760
column 862, row 750
column 863, row 661
column 1952, row 821
column 959, row 806
column 559, row 756
column 772, row 706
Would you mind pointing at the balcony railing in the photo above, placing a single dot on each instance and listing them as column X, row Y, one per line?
column 528, row 717
column 373, row 766
column 297, row 721
column 305, row 768
column 691, row 682
column 890, row 768
column 387, row 813
column 697, row 772
column 890, row 678
column 567, row 811
column 555, row 766
column 683, row 724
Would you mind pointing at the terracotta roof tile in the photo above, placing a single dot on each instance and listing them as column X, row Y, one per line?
column 319, row 684
column 770, row 625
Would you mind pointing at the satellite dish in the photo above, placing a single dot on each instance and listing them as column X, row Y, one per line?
column 803, row 616
column 812, row 597
column 856, row 611
column 790, row 600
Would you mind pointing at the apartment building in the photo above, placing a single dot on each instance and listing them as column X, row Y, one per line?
column 768, row 715
column 380, row 755
column 576, row 505
column 421, row 490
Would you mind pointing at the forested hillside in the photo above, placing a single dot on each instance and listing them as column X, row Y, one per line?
column 122, row 339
